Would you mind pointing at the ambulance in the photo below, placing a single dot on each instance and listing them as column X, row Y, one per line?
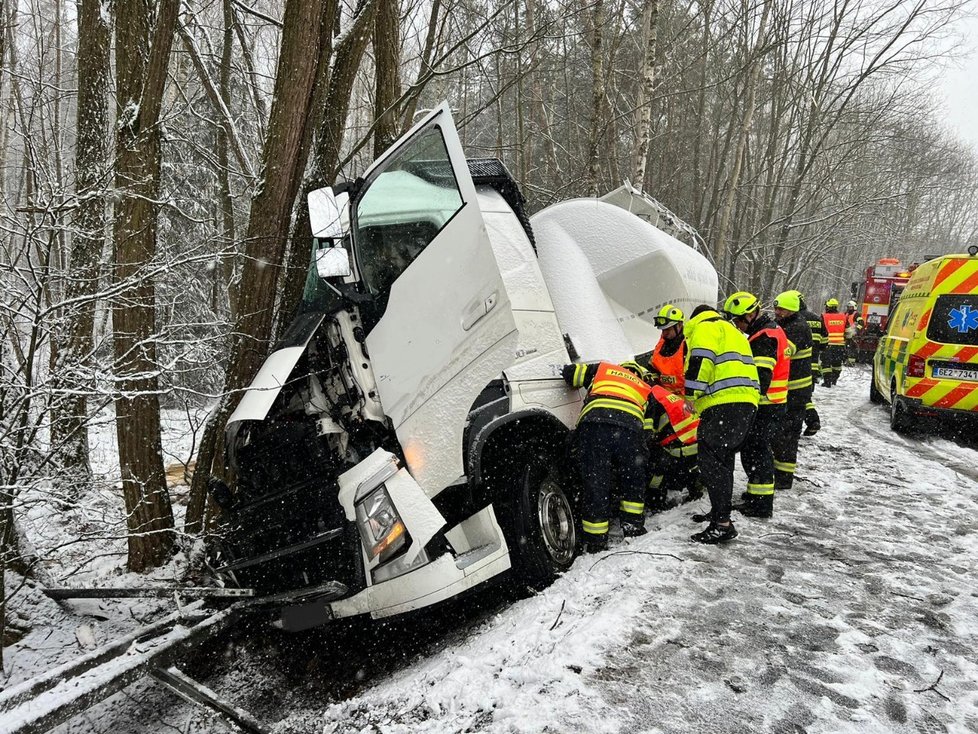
column 926, row 364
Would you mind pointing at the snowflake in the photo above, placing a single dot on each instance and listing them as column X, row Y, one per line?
column 963, row 319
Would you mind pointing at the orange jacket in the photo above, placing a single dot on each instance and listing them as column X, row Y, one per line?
column 835, row 325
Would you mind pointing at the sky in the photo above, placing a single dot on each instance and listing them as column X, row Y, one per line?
column 959, row 85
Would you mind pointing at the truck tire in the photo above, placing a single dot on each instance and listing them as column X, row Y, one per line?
column 901, row 419
column 540, row 524
column 875, row 396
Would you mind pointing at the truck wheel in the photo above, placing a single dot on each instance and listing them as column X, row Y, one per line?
column 901, row 420
column 541, row 526
column 875, row 396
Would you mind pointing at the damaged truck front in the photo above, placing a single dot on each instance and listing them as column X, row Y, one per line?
column 407, row 439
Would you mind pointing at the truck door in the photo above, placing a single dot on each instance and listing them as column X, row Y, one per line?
column 439, row 327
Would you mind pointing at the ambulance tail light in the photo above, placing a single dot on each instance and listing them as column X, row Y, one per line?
column 915, row 366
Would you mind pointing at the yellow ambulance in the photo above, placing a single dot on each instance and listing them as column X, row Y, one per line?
column 926, row 365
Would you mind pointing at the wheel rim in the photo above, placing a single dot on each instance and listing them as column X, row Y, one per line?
column 556, row 520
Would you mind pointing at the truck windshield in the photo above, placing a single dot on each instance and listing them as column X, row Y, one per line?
column 954, row 320
column 403, row 208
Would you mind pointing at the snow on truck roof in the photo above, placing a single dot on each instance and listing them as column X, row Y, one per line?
column 610, row 272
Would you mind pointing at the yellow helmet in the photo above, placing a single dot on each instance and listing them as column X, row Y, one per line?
column 832, row 303
column 636, row 369
column 741, row 303
column 788, row 300
column 668, row 316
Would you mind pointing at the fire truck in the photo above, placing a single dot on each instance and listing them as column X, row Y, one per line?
column 875, row 295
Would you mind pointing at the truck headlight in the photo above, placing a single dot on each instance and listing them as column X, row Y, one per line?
column 381, row 529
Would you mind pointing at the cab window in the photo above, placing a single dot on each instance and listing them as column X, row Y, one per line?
column 412, row 197
column 954, row 320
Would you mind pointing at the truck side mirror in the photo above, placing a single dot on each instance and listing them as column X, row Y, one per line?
column 332, row 262
column 329, row 216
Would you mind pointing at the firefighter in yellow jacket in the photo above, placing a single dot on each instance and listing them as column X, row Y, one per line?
column 611, row 445
column 771, row 357
column 721, row 380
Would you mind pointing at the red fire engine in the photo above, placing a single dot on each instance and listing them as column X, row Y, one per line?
column 875, row 295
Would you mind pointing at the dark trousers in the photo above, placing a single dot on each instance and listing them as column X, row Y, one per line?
column 756, row 455
column 832, row 356
column 785, row 442
column 721, row 433
column 609, row 452
column 670, row 473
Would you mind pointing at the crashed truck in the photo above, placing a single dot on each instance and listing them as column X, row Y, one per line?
column 407, row 440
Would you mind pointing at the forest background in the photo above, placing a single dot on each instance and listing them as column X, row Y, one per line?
column 154, row 158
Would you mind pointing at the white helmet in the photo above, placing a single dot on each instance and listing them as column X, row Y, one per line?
column 851, row 304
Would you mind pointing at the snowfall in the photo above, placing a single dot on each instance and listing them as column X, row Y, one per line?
column 855, row 609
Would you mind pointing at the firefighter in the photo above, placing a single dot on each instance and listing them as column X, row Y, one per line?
column 721, row 380
column 668, row 359
column 835, row 349
column 770, row 348
column 671, row 426
column 787, row 307
column 854, row 325
column 612, row 444
column 819, row 340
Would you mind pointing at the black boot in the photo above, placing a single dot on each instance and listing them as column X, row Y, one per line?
column 633, row 528
column 759, row 505
column 595, row 543
column 702, row 517
column 715, row 534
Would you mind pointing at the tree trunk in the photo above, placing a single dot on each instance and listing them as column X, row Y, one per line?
column 141, row 83
column 650, row 23
column 387, row 82
column 598, row 121
column 69, row 429
column 757, row 55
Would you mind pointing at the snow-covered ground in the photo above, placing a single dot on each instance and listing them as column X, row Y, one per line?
column 855, row 609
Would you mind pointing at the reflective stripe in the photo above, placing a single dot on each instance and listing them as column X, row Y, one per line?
column 810, row 406
column 656, row 481
column 678, row 451
column 595, row 528
column 695, row 385
column 760, row 489
column 734, row 357
column 802, row 354
column 579, row 371
column 632, row 508
column 800, row 383
column 733, row 382
column 784, row 466
column 702, row 352
column 613, row 404
column 765, row 362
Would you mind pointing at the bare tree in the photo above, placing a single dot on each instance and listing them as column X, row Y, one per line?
column 140, row 85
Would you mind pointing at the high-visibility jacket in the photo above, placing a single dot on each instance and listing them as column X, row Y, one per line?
column 720, row 366
column 835, row 325
column 820, row 337
column 672, row 422
column 772, row 359
column 668, row 362
column 800, row 348
column 615, row 394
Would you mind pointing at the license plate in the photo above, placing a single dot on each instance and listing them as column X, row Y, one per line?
column 956, row 373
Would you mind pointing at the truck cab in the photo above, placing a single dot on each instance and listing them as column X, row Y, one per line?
column 408, row 438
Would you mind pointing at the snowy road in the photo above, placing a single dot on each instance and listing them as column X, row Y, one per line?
column 840, row 614
column 854, row 610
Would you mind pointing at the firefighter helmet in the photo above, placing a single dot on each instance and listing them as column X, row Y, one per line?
column 789, row 301
column 832, row 303
column 741, row 304
column 637, row 369
column 851, row 304
column 668, row 316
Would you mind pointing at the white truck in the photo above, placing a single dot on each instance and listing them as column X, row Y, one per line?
column 408, row 438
